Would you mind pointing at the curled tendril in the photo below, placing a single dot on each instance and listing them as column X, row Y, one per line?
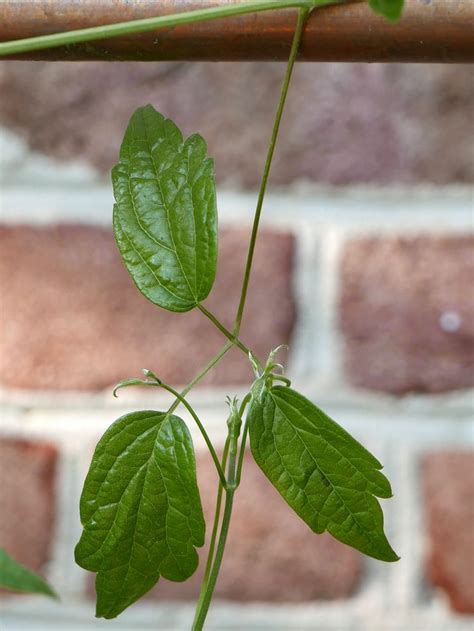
column 151, row 380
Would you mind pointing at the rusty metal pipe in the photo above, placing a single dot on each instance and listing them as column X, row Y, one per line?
column 430, row 31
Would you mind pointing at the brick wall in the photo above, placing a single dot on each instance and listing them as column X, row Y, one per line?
column 371, row 290
column 344, row 123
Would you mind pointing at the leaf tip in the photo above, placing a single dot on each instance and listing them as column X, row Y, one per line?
column 393, row 558
column 103, row 611
column 52, row 594
column 145, row 108
column 387, row 553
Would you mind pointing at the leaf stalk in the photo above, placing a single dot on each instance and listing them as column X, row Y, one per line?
column 228, row 334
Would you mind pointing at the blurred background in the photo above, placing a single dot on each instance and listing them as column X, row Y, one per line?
column 364, row 267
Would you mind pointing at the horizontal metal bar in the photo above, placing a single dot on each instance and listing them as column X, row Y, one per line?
column 429, row 31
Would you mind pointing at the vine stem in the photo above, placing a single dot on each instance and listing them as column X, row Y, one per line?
column 241, row 454
column 302, row 15
column 204, row 604
column 78, row 36
column 210, row 584
column 215, row 531
column 216, row 519
column 220, row 490
column 235, row 461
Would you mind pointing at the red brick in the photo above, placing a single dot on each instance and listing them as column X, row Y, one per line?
column 271, row 554
column 73, row 319
column 27, row 500
column 400, row 117
column 397, row 295
column 448, row 492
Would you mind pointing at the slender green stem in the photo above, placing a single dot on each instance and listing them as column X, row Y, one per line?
column 217, row 515
column 210, row 558
column 240, row 463
column 230, row 336
column 302, row 15
column 202, row 373
column 206, row 595
column 205, row 435
column 151, row 24
column 215, row 529
column 205, row 602
column 244, row 404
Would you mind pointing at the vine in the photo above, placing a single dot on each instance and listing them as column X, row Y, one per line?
column 140, row 507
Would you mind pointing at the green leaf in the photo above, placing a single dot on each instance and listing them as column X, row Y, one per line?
column 17, row 577
column 324, row 474
column 165, row 218
column 140, row 509
column 391, row 9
